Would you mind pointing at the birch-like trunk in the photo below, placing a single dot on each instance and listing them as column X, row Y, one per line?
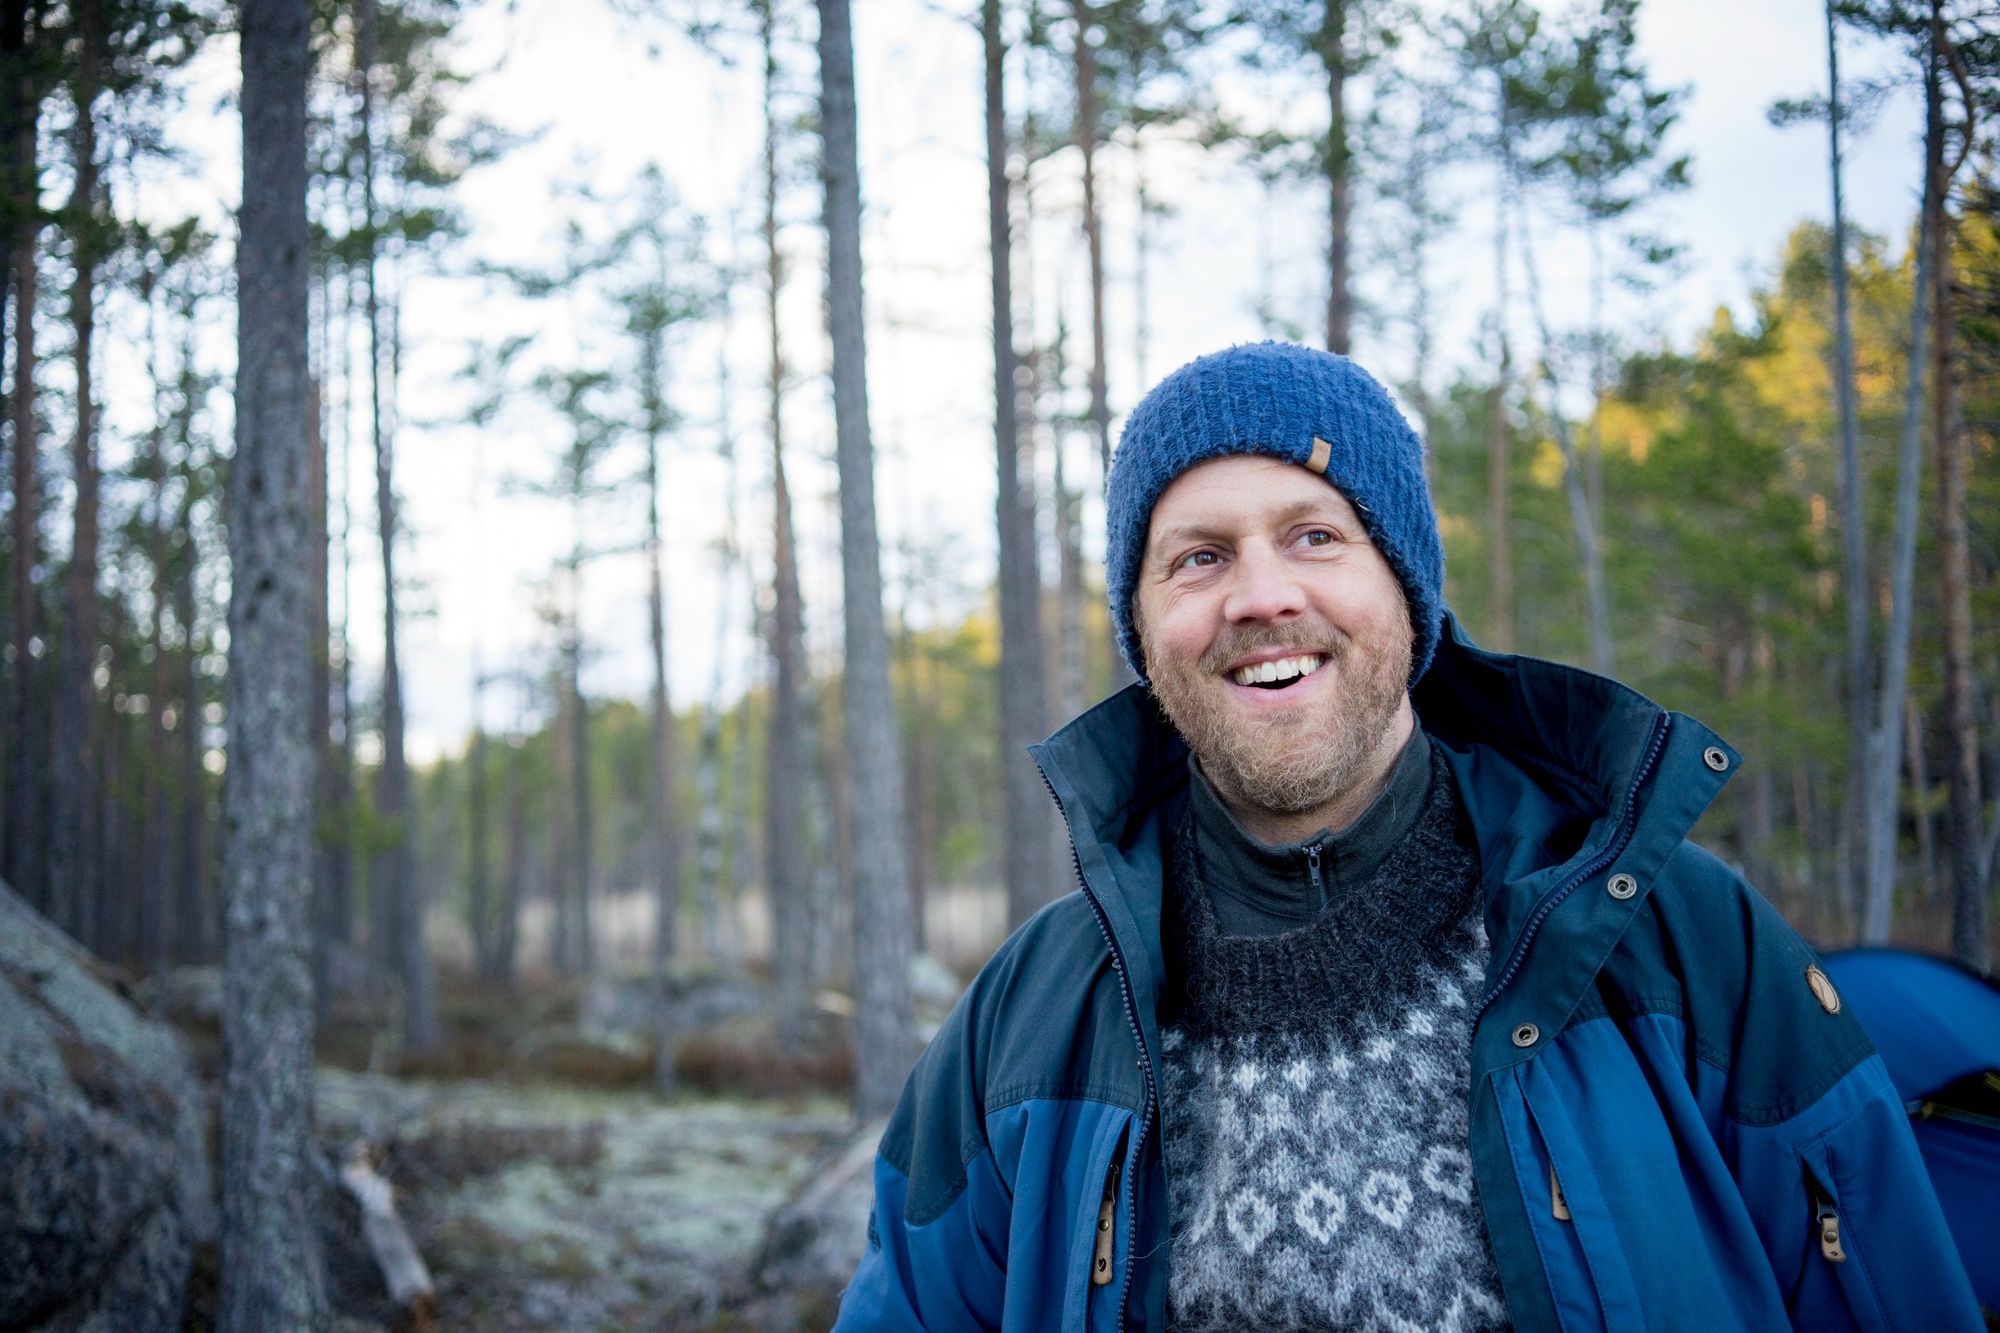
column 271, row 1270
column 884, row 1043
column 1589, row 548
column 1885, row 757
column 1853, row 518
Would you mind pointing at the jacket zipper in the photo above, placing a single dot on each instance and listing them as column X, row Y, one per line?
column 1131, row 1017
column 1312, row 866
column 1553, row 899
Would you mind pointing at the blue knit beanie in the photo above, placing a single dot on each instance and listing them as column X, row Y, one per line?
column 1302, row 405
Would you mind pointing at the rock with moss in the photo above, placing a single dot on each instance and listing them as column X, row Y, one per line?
column 107, row 1192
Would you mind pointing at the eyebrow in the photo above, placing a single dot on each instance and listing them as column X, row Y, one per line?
column 1204, row 532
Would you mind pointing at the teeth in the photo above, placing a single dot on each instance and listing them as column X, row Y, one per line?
column 1285, row 668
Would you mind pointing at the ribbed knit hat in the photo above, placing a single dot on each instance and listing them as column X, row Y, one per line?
column 1305, row 406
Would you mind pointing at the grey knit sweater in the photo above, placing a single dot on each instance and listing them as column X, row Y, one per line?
column 1314, row 1077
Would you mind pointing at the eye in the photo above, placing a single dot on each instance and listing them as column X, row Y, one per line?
column 1317, row 537
column 1197, row 560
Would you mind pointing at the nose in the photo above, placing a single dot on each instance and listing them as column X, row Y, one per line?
column 1263, row 586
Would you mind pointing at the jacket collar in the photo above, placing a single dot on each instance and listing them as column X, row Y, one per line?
column 1564, row 775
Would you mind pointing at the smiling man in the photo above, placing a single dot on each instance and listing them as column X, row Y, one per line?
column 1394, row 995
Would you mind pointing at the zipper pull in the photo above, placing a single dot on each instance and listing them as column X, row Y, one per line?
column 1829, row 1234
column 1107, row 1213
column 1312, row 866
column 1557, row 1204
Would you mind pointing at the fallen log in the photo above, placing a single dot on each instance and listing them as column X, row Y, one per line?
column 403, row 1270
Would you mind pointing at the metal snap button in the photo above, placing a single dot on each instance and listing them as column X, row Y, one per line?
column 1715, row 757
column 1527, row 1034
column 1621, row 886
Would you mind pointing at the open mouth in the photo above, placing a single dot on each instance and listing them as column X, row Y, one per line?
column 1280, row 674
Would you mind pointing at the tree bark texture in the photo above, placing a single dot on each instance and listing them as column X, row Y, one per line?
column 1853, row 518
column 1023, row 700
column 271, row 1266
column 1885, row 758
column 884, row 1045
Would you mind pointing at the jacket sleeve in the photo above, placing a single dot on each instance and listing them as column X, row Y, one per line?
column 941, row 1274
column 1822, row 1148
column 1876, row 1253
column 937, row 1232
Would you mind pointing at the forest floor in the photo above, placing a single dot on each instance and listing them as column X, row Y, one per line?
column 545, row 1182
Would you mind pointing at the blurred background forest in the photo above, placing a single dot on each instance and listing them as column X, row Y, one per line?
column 649, row 767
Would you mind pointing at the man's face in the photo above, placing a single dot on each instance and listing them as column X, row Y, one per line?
column 1256, row 568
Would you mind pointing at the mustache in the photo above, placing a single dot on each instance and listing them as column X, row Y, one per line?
column 1300, row 639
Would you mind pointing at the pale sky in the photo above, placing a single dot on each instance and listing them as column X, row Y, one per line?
column 618, row 95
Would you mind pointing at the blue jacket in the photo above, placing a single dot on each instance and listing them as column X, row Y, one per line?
column 1651, row 1043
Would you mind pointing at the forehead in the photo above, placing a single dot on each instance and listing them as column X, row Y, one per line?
column 1243, row 490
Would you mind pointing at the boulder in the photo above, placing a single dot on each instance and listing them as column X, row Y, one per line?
column 106, row 1192
column 704, row 995
column 815, row 1238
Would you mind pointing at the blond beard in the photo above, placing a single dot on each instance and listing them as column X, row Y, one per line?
column 1286, row 764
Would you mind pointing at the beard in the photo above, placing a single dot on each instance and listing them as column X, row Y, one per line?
column 1290, row 761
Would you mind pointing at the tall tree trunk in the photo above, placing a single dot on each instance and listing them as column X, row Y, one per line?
column 1920, row 787
column 507, row 932
column 1499, row 436
column 271, row 1274
column 73, row 878
column 1093, row 238
column 785, row 843
column 1070, row 666
column 664, row 808
column 1853, row 519
column 1589, row 547
column 26, row 785
column 1023, row 701
column 1961, row 729
column 583, row 823
column 14, row 112
column 1885, row 757
column 191, row 899
column 476, row 799
column 320, row 720
column 394, row 874
column 1332, row 44
column 884, row 1043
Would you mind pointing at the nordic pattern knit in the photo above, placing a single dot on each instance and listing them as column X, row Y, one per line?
column 1313, row 1099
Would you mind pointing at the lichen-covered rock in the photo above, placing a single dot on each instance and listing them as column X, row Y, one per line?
column 815, row 1238
column 106, row 1191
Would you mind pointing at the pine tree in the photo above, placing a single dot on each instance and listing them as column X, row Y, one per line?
column 271, row 1275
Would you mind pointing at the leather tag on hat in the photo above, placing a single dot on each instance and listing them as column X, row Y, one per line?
column 1322, row 454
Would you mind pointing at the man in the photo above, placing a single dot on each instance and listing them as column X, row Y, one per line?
column 1394, row 995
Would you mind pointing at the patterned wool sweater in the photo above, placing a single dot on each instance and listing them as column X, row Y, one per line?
column 1314, row 1076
